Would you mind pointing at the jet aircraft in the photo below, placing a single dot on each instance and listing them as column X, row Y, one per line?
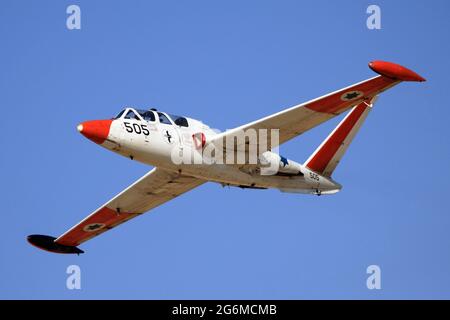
column 166, row 141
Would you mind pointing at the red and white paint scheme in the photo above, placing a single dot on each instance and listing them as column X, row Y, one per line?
column 153, row 137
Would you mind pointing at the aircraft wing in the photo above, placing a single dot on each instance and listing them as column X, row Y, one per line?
column 298, row 119
column 155, row 188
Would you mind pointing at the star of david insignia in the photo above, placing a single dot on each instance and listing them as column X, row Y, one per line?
column 351, row 95
column 93, row 227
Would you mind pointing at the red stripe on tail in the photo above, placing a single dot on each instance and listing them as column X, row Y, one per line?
column 327, row 151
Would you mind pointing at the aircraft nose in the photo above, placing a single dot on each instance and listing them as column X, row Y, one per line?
column 95, row 130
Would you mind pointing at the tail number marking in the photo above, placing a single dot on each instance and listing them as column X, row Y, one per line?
column 314, row 176
column 136, row 128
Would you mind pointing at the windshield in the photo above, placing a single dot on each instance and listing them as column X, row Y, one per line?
column 120, row 114
column 149, row 115
column 132, row 115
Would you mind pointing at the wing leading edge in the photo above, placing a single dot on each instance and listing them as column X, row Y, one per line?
column 155, row 188
column 298, row 119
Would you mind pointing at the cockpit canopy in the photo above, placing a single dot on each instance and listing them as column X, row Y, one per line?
column 152, row 116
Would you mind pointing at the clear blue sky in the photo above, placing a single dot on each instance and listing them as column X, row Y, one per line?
column 226, row 63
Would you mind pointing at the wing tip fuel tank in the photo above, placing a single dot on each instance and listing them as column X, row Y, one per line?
column 48, row 243
column 395, row 71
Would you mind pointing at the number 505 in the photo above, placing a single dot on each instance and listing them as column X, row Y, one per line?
column 138, row 129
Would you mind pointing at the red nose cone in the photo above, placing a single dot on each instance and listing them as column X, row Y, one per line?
column 396, row 71
column 96, row 130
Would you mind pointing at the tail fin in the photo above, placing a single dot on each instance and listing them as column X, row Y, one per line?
column 328, row 155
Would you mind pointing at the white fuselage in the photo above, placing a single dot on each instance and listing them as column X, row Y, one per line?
column 155, row 143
